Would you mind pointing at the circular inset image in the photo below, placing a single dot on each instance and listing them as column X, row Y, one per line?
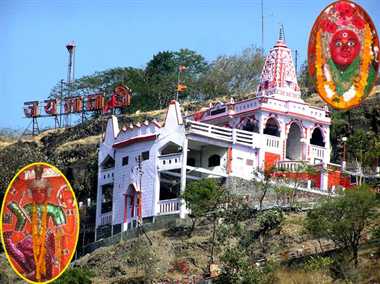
column 39, row 223
column 343, row 54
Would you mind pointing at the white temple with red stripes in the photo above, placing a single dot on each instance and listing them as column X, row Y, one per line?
column 144, row 167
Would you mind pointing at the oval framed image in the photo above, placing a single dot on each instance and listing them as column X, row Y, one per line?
column 39, row 223
column 343, row 54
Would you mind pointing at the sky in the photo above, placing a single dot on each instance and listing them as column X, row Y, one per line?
column 121, row 33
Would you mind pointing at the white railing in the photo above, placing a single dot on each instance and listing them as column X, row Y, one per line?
column 169, row 206
column 290, row 165
column 272, row 141
column 210, row 130
column 106, row 218
column 169, row 162
column 226, row 134
column 246, row 137
column 318, row 152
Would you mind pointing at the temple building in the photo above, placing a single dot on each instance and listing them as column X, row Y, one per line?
column 144, row 167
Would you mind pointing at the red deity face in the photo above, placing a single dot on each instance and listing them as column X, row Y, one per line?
column 39, row 192
column 344, row 47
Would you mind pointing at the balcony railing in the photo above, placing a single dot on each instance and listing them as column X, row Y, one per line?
column 225, row 134
column 318, row 152
column 106, row 218
column 272, row 141
column 169, row 206
column 290, row 165
column 217, row 132
column 170, row 162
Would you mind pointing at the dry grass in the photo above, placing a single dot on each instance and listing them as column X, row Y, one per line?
column 90, row 140
column 285, row 276
column 4, row 144
column 293, row 224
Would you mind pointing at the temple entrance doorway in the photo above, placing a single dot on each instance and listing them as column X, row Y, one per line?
column 293, row 143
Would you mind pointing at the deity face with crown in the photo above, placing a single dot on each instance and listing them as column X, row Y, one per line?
column 343, row 54
column 40, row 223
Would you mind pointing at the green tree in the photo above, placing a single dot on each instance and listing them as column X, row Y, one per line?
column 290, row 180
column 201, row 197
column 233, row 75
column 237, row 268
column 363, row 147
column 206, row 198
column 344, row 219
column 162, row 75
column 267, row 223
column 262, row 184
column 305, row 82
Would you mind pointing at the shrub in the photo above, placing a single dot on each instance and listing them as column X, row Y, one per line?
column 75, row 275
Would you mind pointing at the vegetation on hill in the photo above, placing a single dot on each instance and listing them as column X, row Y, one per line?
column 155, row 85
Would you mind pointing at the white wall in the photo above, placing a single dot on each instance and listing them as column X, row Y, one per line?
column 126, row 175
column 240, row 157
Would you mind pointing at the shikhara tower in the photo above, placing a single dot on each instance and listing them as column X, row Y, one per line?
column 278, row 77
column 233, row 139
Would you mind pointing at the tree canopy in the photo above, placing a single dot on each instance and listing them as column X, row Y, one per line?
column 155, row 85
column 344, row 219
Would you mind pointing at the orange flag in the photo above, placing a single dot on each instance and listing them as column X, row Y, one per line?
column 181, row 88
column 182, row 68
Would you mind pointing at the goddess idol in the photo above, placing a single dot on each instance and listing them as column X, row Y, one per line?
column 343, row 54
column 39, row 223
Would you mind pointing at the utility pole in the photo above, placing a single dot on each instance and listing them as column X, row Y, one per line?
column 140, row 227
column 70, row 74
column 262, row 27
column 139, row 198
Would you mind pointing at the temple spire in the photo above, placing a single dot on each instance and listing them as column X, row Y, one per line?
column 278, row 77
column 282, row 33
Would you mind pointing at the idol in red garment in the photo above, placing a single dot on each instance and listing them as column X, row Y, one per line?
column 38, row 227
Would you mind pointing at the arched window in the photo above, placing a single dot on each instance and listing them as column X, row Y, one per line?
column 317, row 137
column 250, row 124
column 272, row 127
column 214, row 160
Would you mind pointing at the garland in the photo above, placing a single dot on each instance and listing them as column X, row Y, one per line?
column 39, row 238
column 327, row 88
column 344, row 78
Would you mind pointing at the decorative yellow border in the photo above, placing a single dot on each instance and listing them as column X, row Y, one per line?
column 1, row 221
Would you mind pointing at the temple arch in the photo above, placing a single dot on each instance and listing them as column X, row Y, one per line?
column 317, row 137
column 293, row 143
column 249, row 124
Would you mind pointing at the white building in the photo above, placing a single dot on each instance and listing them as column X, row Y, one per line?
column 227, row 139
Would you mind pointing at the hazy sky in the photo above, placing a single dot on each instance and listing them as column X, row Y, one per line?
column 109, row 34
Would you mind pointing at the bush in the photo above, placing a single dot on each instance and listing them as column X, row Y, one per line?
column 75, row 275
column 318, row 263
